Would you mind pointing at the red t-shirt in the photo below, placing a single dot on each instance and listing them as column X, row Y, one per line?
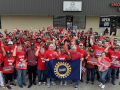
column 114, row 56
column 9, row 61
column 1, row 59
column 37, row 45
column 82, row 52
column 97, row 50
column 7, row 48
column 75, row 56
column 49, row 54
column 41, row 63
column 114, row 44
column 20, row 56
column 62, row 57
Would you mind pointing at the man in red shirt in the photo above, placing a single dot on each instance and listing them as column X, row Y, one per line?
column 114, row 58
column 74, row 56
column 8, row 68
column 50, row 54
column 83, row 54
column 20, row 56
column 98, row 49
column 63, row 57
column 91, row 67
column 41, row 67
column 10, row 47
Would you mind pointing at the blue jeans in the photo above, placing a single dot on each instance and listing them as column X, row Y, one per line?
column 102, row 76
column 113, row 75
column 21, row 75
column 48, row 80
column 76, row 82
column 92, row 70
column 40, row 73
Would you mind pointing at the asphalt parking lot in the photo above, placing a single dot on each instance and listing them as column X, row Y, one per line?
column 82, row 86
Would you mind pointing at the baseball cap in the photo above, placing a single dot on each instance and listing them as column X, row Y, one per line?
column 18, row 42
column 91, row 50
column 57, row 47
column 10, row 42
column 32, row 44
column 116, row 47
column 8, row 52
column 80, row 44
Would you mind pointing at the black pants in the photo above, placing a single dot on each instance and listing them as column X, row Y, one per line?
column 32, row 70
column 117, row 74
column 8, row 76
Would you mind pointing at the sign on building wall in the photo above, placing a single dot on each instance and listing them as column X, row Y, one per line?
column 104, row 22
column 72, row 6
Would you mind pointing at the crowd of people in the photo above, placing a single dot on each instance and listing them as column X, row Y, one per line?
column 38, row 47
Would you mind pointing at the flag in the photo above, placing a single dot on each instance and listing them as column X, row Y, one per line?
column 9, row 69
column 64, row 70
column 115, row 63
column 84, row 70
column 104, row 63
column 21, row 65
column 49, row 28
column 92, row 61
column 74, row 27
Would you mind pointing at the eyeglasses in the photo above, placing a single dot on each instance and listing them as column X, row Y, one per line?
column 115, row 40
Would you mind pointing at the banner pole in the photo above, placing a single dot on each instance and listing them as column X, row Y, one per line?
column 80, row 68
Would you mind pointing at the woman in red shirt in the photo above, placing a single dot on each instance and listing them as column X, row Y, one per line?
column 8, row 68
column 102, row 69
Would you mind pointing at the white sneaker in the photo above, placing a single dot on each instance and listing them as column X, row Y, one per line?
column 48, row 85
column 100, row 85
column 61, row 83
column 53, row 83
column 39, row 83
column 103, row 86
column 15, row 80
column 44, row 83
column 65, row 83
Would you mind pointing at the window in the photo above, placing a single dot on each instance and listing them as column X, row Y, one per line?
column 104, row 22
column 0, row 22
column 59, row 22
column 118, row 25
column 79, row 22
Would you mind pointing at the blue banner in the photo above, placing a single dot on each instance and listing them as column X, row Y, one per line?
column 64, row 70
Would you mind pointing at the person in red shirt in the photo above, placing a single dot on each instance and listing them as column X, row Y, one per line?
column 20, row 57
column 1, row 77
column 90, row 67
column 38, row 40
column 10, row 47
column 83, row 54
column 50, row 54
column 98, row 49
column 74, row 56
column 58, row 50
column 102, row 71
column 114, row 58
column 41, row 67
column 63, row 57
column 8, row 68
